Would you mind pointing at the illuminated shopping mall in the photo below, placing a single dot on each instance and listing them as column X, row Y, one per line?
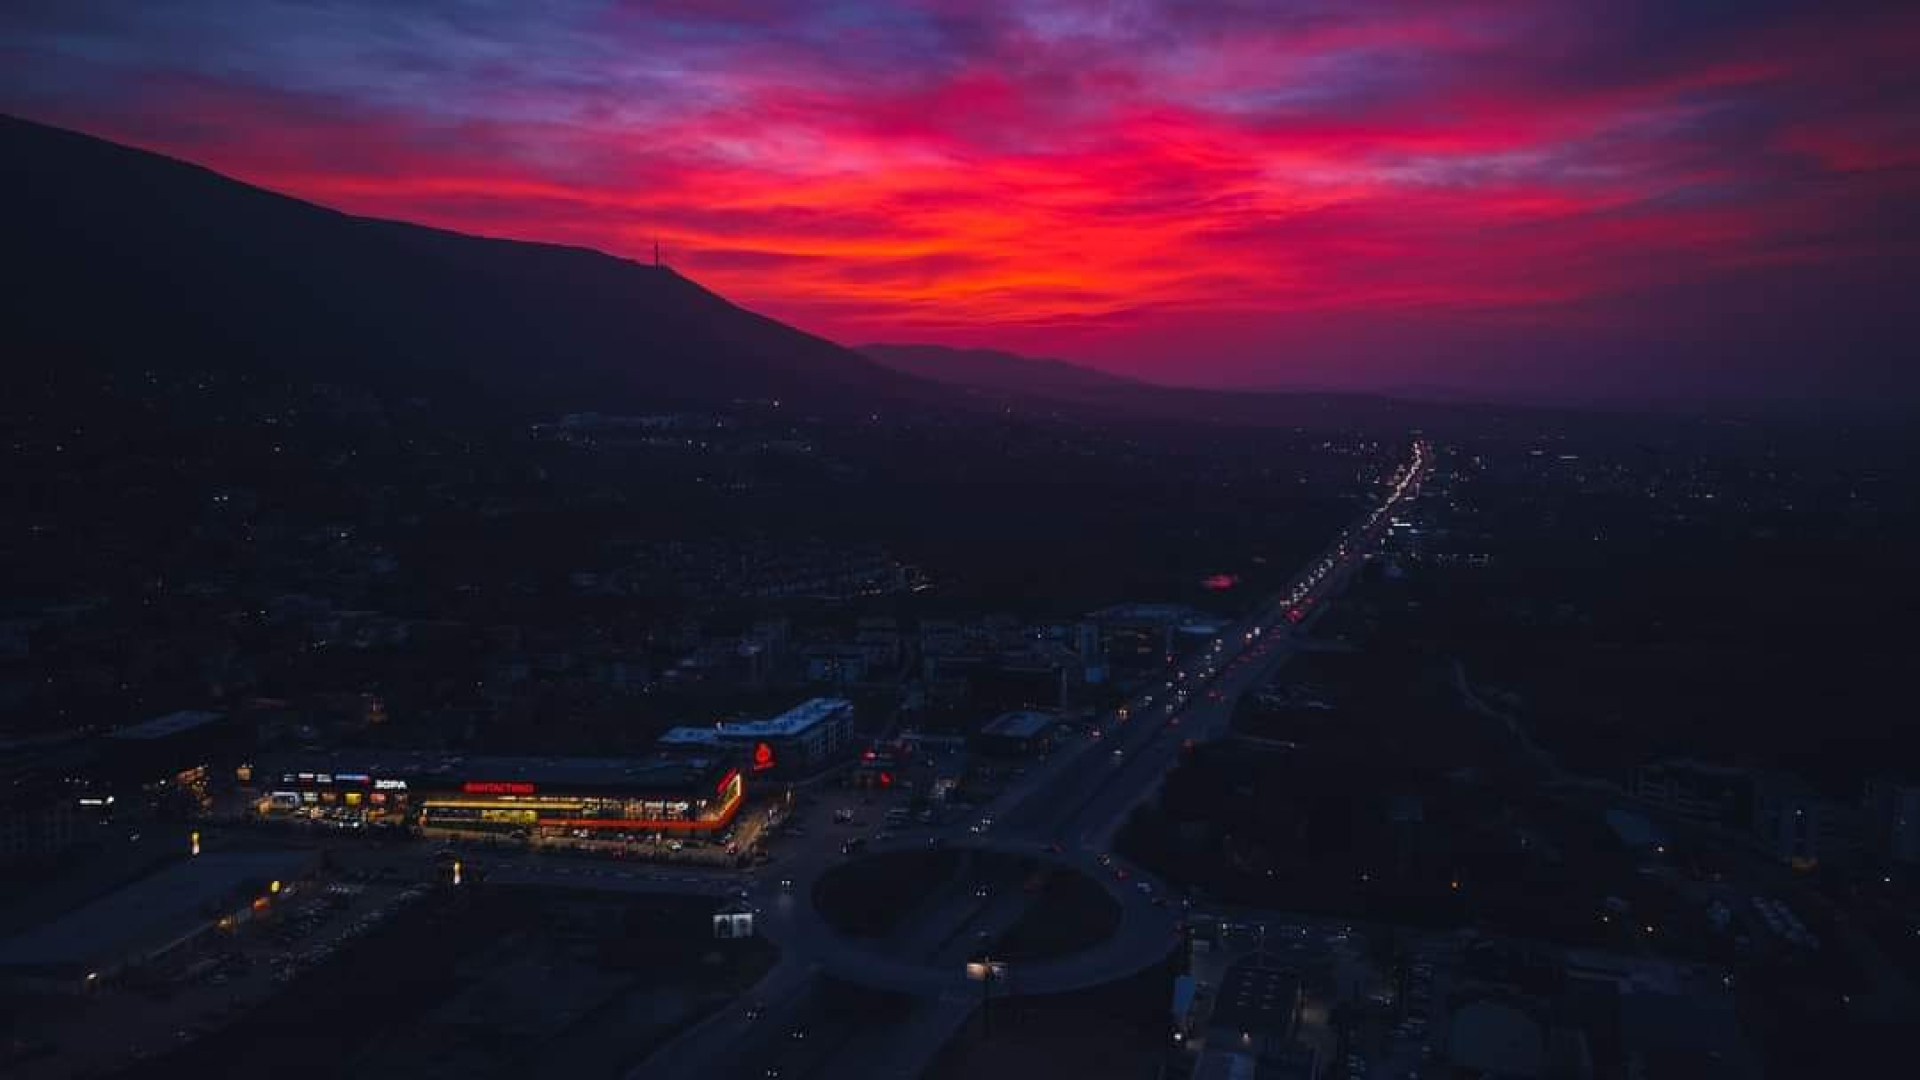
column 678, row 794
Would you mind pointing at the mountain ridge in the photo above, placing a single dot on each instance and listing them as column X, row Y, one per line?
column 192, row 266
column 995, row 370
column 123, row 259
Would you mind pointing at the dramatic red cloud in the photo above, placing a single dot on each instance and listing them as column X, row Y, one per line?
column 1361, row 194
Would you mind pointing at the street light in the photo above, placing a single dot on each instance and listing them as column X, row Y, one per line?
column 986, row 971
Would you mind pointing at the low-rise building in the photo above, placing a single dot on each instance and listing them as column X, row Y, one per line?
column 837, row 665
column 1016, row 734
column 1694, row 791
column 40, row 796
column 166, row 764
column 799, row 740
column 152, row 922
column 1801, row 827
column 682, row 794
column 1257, row 1008
column 1893, row 819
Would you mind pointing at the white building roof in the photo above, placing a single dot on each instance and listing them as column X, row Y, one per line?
column 800, row 718
column 795, row 721
column 690, row 736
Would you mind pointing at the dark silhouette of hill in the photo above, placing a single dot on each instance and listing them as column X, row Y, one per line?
column 121, row 257
column 123, row 260
column 990, row 369
column 1004, row 380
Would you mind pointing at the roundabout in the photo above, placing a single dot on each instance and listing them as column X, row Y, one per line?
column 959, row 901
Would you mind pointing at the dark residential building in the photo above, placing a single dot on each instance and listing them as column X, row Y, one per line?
column 1017, row 734
column 1257, row 1008
column 1697, row 791
column 41, row 792
column 1893, row 819
column 837, row 665
column 882, row 765
column 166, row 765
column 1136, row 636
column 1801, row 827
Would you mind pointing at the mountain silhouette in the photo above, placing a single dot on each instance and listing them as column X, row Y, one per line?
column 121, row 257
column 993, row 370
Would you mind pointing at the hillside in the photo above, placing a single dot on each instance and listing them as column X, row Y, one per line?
column 1056, row 388
column 991, row 370
column 120, row 257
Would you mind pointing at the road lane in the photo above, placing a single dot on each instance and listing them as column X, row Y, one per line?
column 1078, row 799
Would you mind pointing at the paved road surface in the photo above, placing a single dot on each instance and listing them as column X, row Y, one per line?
column 1066, row 811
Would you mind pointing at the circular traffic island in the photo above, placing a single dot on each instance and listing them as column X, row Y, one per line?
column 925, row 902
column 1071, row 913
column 871, row 897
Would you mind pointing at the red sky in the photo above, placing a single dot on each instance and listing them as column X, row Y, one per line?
column 1637, row 197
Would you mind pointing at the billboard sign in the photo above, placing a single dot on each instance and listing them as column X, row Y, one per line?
column 497, row 787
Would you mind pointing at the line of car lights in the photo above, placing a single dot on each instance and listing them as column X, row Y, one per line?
column 1302, row 591
column 1298, row 599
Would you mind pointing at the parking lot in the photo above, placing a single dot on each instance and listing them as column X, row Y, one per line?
column 327, row 917
column 306, row 925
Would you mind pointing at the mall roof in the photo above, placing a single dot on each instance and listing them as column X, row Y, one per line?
column 153, row 912
column 794, row 721
column 690, row 736
column 661, row 769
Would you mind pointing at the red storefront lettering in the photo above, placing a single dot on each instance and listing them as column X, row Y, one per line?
column 497, row 787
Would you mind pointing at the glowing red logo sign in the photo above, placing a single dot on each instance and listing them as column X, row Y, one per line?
column 497, row 787
column 762, row 757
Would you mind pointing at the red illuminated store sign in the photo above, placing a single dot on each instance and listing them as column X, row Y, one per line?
column 497, row 787
column 762, row 757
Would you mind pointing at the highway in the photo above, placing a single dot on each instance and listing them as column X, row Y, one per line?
column 1065, row 811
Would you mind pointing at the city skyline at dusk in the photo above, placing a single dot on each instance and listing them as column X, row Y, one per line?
column 1566, row 200
column 937, row 539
